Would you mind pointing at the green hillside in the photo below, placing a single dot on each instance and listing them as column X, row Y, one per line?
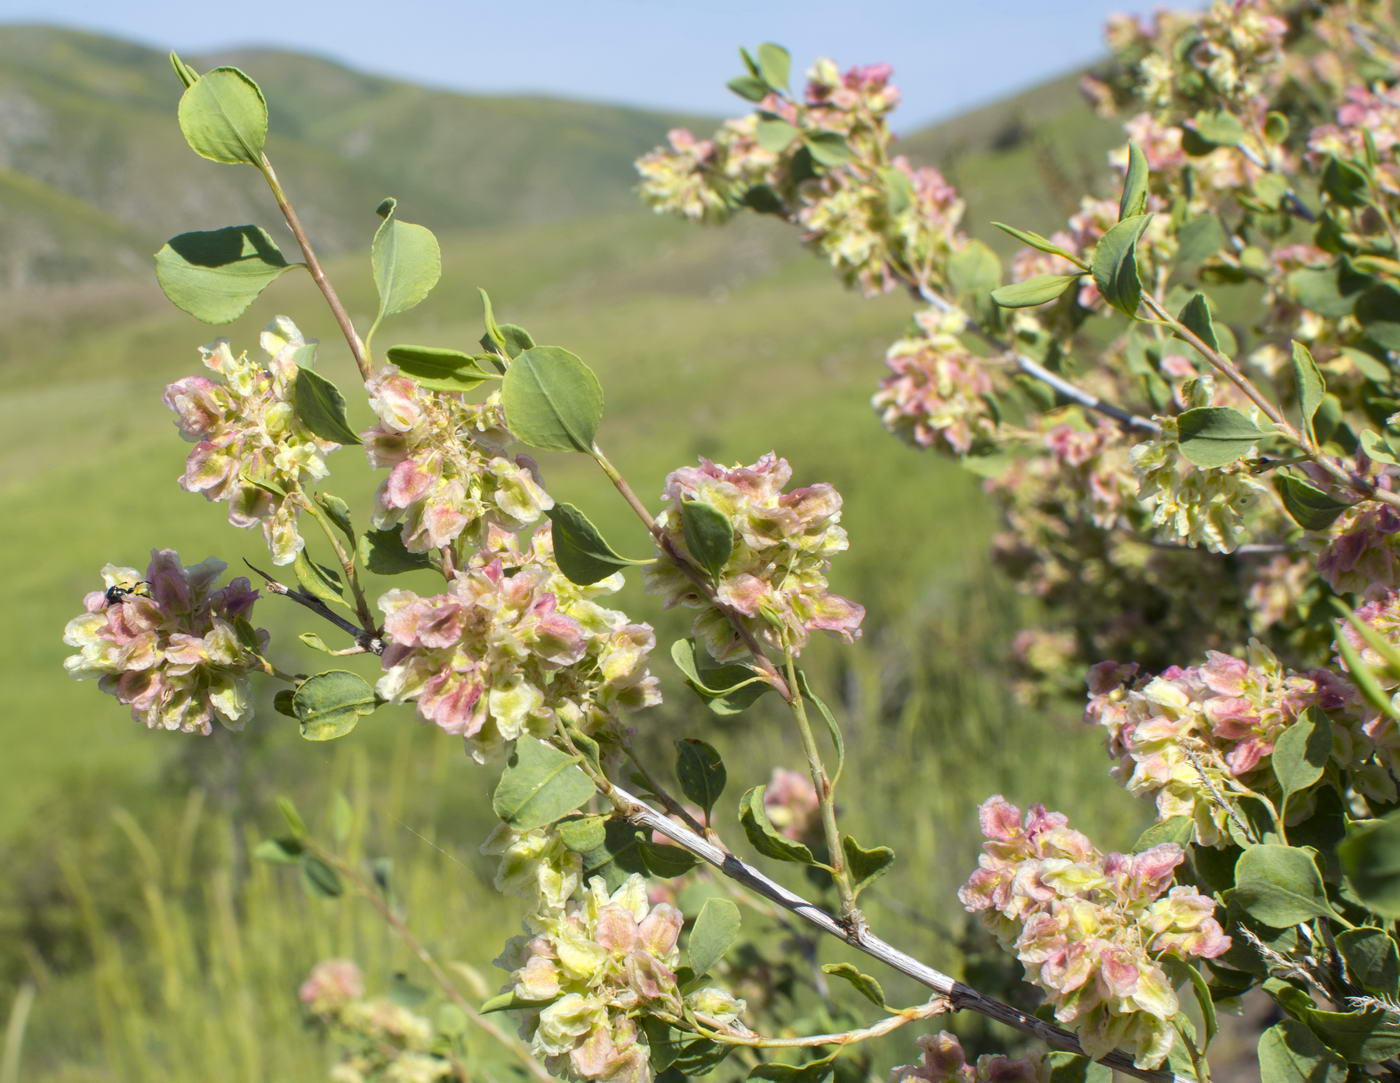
column 156, row 950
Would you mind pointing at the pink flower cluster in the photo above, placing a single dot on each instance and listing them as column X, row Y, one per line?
column 1364, row 111
column 775, row 578
column 1184, row 736
column 513, row 646
column 381, row 1041
column 1375, row 759
column 1089, row 927
column 170, row 646
column 592, row 970
column 450, row 471
column 937, row 392
column 1363, row 555
column 945, row 1062
column 875, row 220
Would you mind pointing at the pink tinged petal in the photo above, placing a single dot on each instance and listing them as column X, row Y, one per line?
column 450, row 701
column 999, row 819
column 1245, row 757
column 208, row 469
column 745, row 593
column 1152, row 870
column 616, row 929
column 833, row 613
column 406, row 484
column 560, row 639
column 661, row 929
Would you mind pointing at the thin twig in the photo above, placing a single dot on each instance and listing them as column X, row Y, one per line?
column 963, row 997
column 364, row 638
column 897, row 1019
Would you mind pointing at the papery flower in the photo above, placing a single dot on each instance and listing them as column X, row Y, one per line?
column 508, row 650
column 944, row 1061
column 1363, row 555
column 251, row 447
column 705, row 180
column 790, row 801
column 775, row 578
column 1089, row 928
column 451, row 473
column 535, row 865
column 594, row 969
column 1182, row 736
column 936, row 393
column 331, row 985
column 177, row 651
column 1203, row 505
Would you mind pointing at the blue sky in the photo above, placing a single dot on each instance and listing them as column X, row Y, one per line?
column 948, row 54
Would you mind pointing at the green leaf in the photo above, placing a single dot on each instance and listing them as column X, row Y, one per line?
column 1279, row 886
column 764, row 837
column 709, row 536
column 292, row 817
column 1134, row 198
column 618, row 856
column 321, row 407
column 1373, row 368
column 1038, row 241
column 323, row 879
column 510, row 1001
column 1177, row 829
column 215, row 274
column 1378, row 310
column 317, row 580
column 726, row 689
column 1372, row 957
column 582, row 833
column 552, row 400
column 1302, row 751
column 1215, row 435
column 440, row 369
column 1196, row 317
column 1311, row 385
column 666, row 861
column 539, row 785
column 1344, row 183
column 580, row 549
column 1311, row 508
column 898, row 191
column 1378, row 447
column 405, row 260
column 1290, row 1053
column 1033, row 291
column 864, row 984
column 974, row 270
column 812, row 1072
column 495, row 338
column 330, row 704
column 1183, row 973
column 700, row 769
column 1114, row 265
column 774, row 65
column 1362, row 1037
column 774, row 134
column 1073, row 1068
column 223, row 117
column 1370, row 856
column 383, row 553
column 1218, row 128
column 749, row 87
column 283, row 851
column 828, row 148
column 713, row 934
column 865, row 866
column 1199, row 239
column 515, row 340
column 1329, row 291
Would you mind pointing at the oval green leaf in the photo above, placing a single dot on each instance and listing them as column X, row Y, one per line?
column 1033, row 291
column 552, row 400
column 440, row 369
column 1279, row 886
column 1370, row 856
column 709, row 536
column 1310, row 507
column 223, row 116
column 405, row 260
column 1134, row 198
column 215, row 274
column 321, row 407
column 330, row 704
column 1114, row 265
column 764, row 837
column 1213, row 436
column 700, row 769
column 1291, row 1053
column 539, row 785
column 580, row 549
column 713, row 934
column 1302, row 751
